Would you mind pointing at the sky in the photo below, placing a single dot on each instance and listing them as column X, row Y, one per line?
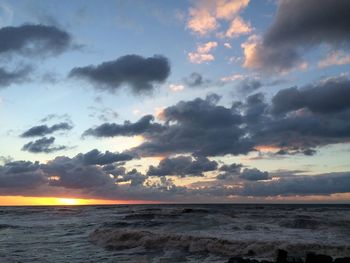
column 174, row 101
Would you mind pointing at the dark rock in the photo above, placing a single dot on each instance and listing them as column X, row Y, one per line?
column 237, row 260
column 281, row 256
column 342, row 260
column 294, row 260
column 314, row 258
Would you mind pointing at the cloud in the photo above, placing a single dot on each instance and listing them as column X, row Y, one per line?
column 134, row 177
column 18, row 76
column 49, row 117
column 299, row 22
column 196, row 80
column 182, row 166
column 323, row 184
column 298, row 27
column 296, row 121
column 30, row 40
column 266, row 59
column 43, row 130
column 201, row 21
column 290, row 126
column 199, row 126
column 230, row 171
column 234, row 172
column 64, row 176
column 227, row 45
column 70, row 173
column 20, row 174
column 205, row 16
column 334, row 58
column 176, row 87
column 249, row 85
column 138, row 73
column 326, row 96
column 202, row 53
column 43, row 145
column 233, row 77
column 143, row 126
column 238, row 27
column 254, row 175
column 104, row 114
column 96, row 157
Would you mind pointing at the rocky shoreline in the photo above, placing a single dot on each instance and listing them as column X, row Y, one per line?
column 282, row 257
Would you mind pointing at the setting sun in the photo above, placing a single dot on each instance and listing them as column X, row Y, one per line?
column 69, row 201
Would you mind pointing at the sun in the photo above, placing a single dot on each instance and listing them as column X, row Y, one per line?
column 68, row 201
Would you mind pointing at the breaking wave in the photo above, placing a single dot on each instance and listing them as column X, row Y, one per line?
column 119, row 239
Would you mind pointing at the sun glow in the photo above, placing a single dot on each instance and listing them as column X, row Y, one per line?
column 33, row 201
column 68, row 201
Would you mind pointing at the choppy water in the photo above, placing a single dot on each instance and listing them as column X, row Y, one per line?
column 170, row 233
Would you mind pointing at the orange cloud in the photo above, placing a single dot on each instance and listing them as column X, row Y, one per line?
column 203, row 18
column 228, row 9
column 238, row 27
column 334, row 58
column 250, row 50
column 202, row 53
column 201, row 21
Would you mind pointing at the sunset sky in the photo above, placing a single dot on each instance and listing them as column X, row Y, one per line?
column 174, row 101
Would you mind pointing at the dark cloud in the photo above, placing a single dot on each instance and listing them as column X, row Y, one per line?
column 323, row 184
column 327, row 96
column 234, row 172
column 196, row 80
column 310, row 23
column 99, row 158
column 254, row 175
column 317, row 116
column 249, row 85
column 139, row 73
column 299, row 26
column 31, row 40
column 183, row 166
column 18, row 76
column 71, row 173
column 293, row 151
column 43, row 130
column 43, row 145
column 200, row 127
column 21, row 174
column 229, row 171
column 134, row 177
column 142, row 126
column 90, row 170
column 72, row 176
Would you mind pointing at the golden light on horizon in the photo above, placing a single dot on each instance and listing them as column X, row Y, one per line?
column 37, row 201
column 69, row 201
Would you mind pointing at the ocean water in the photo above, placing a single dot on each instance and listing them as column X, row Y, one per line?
column 170, row 233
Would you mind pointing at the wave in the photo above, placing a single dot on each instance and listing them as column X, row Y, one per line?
column 119, row 239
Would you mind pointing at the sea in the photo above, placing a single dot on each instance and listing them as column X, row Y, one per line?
column 171, row 233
